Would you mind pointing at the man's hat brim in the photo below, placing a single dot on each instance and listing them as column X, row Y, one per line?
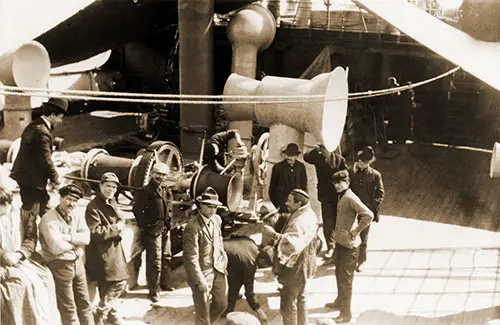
column 211, row 202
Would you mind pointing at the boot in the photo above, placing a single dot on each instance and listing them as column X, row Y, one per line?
column 113, row 318
column 98, row 318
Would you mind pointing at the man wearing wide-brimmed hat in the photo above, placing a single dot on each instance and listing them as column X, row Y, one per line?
column 367, row 183
column 105, row 258
column 33, row 165
column 287, row 175
column 205, row 260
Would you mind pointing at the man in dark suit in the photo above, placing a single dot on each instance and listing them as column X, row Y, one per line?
column 287, row 175
column 153, row 218
column 205, row 260
column 33, row 165
column 366, row 183
column 326, row 164
column 105, row 258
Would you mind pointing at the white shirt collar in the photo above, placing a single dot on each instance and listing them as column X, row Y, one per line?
column 47, row 122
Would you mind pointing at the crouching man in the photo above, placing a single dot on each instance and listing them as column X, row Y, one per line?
column 63, row 236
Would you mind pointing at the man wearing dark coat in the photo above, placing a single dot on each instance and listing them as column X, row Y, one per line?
column 33, row 165
column 153, row 218
column 205, row 260
column 366, row 183
column 287, row 175
column 326, row 164
column 216, row 147
column 105, row 258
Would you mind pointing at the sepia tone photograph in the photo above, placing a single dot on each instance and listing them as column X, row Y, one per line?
column 238, row 162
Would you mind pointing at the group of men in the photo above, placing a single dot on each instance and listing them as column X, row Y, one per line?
column 64, row 235
column 350, row 200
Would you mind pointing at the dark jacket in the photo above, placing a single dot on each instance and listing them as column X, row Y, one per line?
column 151, row 209
column 105, row 259
column 368, row 186
column 219, row 139
column 284, row 179
column 242, row 254
column 33, row 165
column 326, row 164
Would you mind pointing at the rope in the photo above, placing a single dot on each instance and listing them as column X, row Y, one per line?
column 212, row 99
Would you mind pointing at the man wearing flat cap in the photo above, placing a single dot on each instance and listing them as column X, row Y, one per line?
column 366, row 183
column 63, row 236
column 352, row 217
column 105, row 258
column 295, row 256
column 205, row 260
column 33, row 165
column 287, row 175
column 151, row 210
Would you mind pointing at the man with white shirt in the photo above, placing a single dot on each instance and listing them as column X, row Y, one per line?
column 63, row 236
column 295, row 256
column 205, row 260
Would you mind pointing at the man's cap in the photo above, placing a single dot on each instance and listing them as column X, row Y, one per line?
column 209, row 196
column 110, row 177
column 300, row 192
column 367, row 154
column 161, row 168
column 292, row 149
column 341, row 175
column 72, row 190
column 60, row 103
column 241, row 318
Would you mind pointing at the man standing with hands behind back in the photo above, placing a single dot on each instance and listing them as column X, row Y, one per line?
column 105, row 259
column 205, row 260
column 152, row 215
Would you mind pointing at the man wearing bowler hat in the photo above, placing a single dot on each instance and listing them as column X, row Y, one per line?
column 287, row 175
column 34, row 166
column 366, row 183
column 105, row 258
column 151, row 210
column 205, row 260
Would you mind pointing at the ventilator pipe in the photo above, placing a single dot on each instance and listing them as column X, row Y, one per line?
column 251, row 30
column 195, row 71
column 27, row 66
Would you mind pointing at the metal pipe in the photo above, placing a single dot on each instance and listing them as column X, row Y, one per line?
column 250, row 31
column 195, row 71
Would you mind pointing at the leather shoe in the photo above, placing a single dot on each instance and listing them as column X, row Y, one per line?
column 359, row 268
column 167, row 288
column 261, row 315
column 333, row 305
column 342, row 319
